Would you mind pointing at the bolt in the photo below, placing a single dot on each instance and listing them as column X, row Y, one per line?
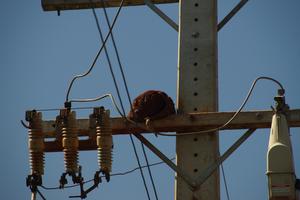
column 195, row 34
column 259, row 116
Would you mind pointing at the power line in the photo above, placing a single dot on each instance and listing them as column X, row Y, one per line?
column 99, row 98
column 98, row 53
column 114, row 174
column 120, row 100
column 149, row 171
column 225, row 181
column 235, row 114
column 127, row 92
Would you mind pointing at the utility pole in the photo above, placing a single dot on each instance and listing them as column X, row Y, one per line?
column 197, row 92
column 197, row 155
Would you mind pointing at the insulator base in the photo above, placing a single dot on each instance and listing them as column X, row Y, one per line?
column 105, row 159
column 71, row 161
column 37, row 161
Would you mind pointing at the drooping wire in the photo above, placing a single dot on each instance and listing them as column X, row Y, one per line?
column 235, row 114
column 83, row 108
column 225, row 182
column 98, row 53
column 121, row 102
column 127, row 91
column 191, row 133
column 114, row 174
column 99, row 98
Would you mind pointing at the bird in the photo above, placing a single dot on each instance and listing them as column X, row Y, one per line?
column 151, row 105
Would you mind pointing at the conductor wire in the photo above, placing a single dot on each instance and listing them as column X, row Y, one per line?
column 114, row 174
column 128, row 95
column 225, row 182
column 98, row 53
column 235, row 114
column 99, row 98
column 120, row 100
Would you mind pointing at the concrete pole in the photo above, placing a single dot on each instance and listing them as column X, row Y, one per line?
column 197, row 92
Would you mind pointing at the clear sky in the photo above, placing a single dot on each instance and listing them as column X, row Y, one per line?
column 40, row 52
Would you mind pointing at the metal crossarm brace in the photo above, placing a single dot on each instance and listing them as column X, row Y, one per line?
column 164, row 158
column 160, row 13
column 231, row 14
column 208, row 172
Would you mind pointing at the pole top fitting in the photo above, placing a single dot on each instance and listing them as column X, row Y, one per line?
column 280, row 92
column 281, row 106
column 68, row 105
column 99, row 110
column 29, row 115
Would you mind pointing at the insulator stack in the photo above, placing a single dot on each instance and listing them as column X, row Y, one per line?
column 69, row 140
column 104, row 139
column 35, row 142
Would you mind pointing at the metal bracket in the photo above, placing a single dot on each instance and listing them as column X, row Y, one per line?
column 194, row 185
column 33, row 181
column 209, row 171
column 231, row 14
column 83, row 193
column 177, row 169
column 160, row 13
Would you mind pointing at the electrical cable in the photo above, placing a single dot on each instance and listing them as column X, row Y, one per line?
column 225, row 182
column 99, row 98
column 139, row 164
column 82, row 108
column 181, row 134
column 114, row 174
column 121, row 103
column 128, row 94
column 98, row 53
column 149, row 171
column 108, row 60
column 40, row 193
column 126, row 88
column 235, row 114
column 117, row 55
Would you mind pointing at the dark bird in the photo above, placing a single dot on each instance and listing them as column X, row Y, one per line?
column 151, row 105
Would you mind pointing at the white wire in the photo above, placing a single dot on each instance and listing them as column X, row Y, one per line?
column 233, row 117
column 145, row 127
column 99, row 98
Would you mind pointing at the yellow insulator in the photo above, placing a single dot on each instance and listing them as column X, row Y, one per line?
column 104, row 139
column 69, row 140
column 35, row 142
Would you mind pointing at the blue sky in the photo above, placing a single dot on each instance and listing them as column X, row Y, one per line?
column 40, row 52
